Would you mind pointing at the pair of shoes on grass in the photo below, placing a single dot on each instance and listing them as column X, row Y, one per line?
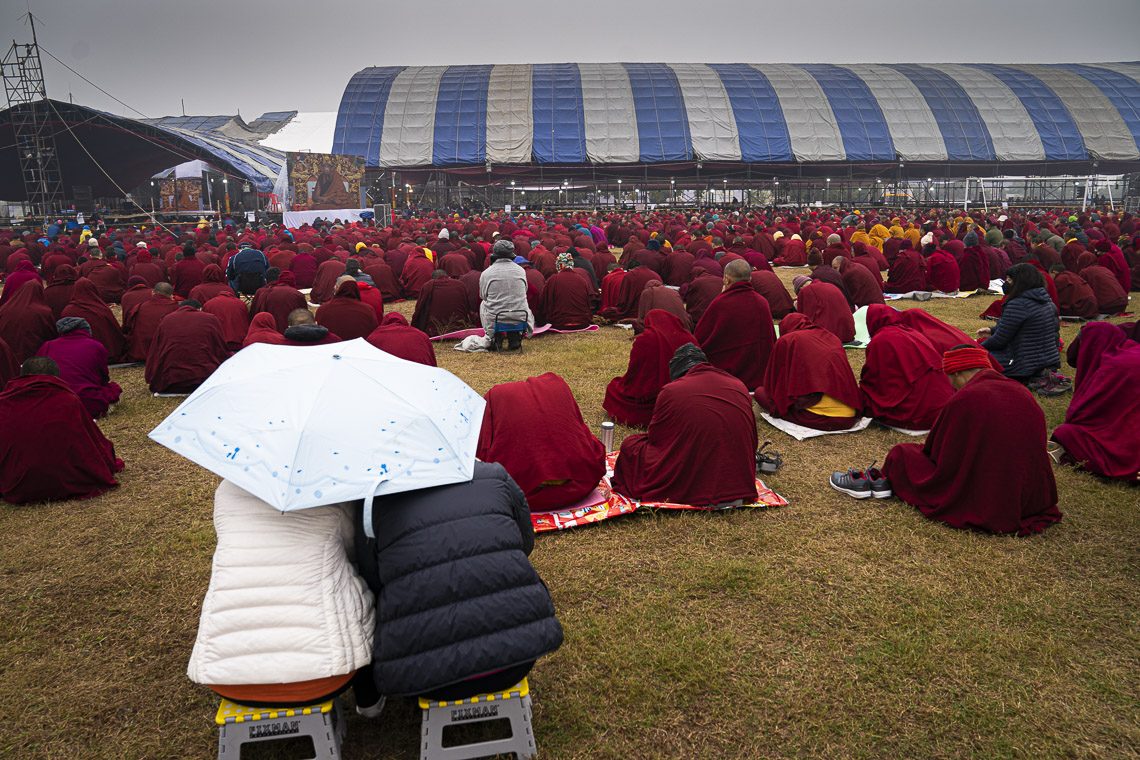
column 862, row 484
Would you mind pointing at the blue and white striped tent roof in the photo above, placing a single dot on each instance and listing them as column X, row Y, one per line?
column 645, row 113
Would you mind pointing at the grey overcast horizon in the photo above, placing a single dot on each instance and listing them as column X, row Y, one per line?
column 252, row 56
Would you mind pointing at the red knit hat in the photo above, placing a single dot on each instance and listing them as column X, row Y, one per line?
column 964, row 358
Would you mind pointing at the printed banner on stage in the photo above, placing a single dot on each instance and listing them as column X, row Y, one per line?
column 180, row 195
column 320, row 181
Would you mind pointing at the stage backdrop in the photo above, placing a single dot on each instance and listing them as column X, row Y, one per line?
column 180, row 194
column 322, row 181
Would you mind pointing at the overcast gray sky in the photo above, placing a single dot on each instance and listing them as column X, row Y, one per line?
column 223, row 56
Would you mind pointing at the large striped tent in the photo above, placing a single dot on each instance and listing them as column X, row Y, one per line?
column 1062, row 116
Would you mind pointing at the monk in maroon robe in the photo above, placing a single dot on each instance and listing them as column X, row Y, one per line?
column 442, row 307
column 1110, row 297
column 825, row 306
column 907, row 273
column 902, row 380
column 187, row 347
column 808, row 380
column 1074, row 296
column 280, row 298
column 983, row 465
column 417, row 273
column 630, row 398
column 699, row 293
column 82, row 363
column 137, row 292
column 263, row 329
column 50, row 447
column 736, row 331
column 8, row 366
column 232, row 313
column 700, row 447
column 973, row 267
column 766, row 283
column 942, row 272
column 384, row 280
column 86, row 304
column 304, row 267
column 554, row 471
column 213, row 282
column 324, row 284
column 141, row 323
column 25, row 272
column 629, row 292
column 26, row 321
column 610, row 287
column 58, row 292
column 862, row 287
column 941, row 335
column 146, row 268
column 187, row 274
column 395, row 336
column 345, row 315
column 657, row 296
column 567, row 298
column 1100, row 433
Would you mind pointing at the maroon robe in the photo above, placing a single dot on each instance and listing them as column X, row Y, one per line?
column 705, row 421
column 983, row 465
column 384, row 280
column 232, row 313
column 8, row 366
column 110, row 280
column 187, row 347
column 147, row 269
column 769, row 285
column 58, row 292
column 567, row 301
column 395, row 336
column 630, row 398
column 629, row 292
column 736, row 333
column 1074, row 296
column 863, row 289
column 610, row 287
column 142, row 322
column 304, row 268
column 325, row 282
column 454, row 264
column 346, row 316
column 82, row 363
column 279, row 298
column 213, row 283
column 902, row 380
column 554, row 471
column 263, row 329
column 941, row 335
column 417, row 273
column 677, row 268
column 907, row 273
column 50, row 448
column 186, row 275
column 442, row 307
column 825, row 306
column 699, row 293
column 86, row 304
column 807, row 363
column 942, row 272
column 134, row 296
column 1110, row 297
column 26, row 321
column 25, row 272
column 974, row 269
column 1100, row 432
column 657, row 296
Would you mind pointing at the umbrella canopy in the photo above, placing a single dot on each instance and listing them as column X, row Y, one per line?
column 301, row 427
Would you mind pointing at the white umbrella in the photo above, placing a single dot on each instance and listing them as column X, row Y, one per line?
column 302, row 427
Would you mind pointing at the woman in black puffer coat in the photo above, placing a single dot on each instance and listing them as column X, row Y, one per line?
column 459, row 608
column 1026, row 338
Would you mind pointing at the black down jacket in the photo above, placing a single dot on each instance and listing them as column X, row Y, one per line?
column 456, row 596
column 1025, row 339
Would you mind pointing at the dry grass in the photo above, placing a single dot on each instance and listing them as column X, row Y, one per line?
column 830, row 627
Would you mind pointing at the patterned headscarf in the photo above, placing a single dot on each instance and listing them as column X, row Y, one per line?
column 563, row 261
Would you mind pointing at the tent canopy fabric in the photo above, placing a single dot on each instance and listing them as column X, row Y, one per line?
column 656, row 113
column 132, row 151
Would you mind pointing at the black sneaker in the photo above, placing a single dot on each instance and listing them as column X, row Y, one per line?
column 853, row 483
column 880, row 488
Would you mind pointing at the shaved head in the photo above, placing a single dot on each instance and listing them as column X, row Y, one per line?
column 738, row 270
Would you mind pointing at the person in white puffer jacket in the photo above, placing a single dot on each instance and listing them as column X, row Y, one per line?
column 287, row 619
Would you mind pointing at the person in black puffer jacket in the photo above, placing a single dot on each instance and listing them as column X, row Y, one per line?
column 459, row 608
column 1025, row 339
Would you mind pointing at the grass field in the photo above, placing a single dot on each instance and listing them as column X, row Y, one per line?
column 829, row 627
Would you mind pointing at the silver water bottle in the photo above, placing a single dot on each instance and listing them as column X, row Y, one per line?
column 608, row 435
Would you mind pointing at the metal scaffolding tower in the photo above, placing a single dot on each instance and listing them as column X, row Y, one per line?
column 27, row 97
